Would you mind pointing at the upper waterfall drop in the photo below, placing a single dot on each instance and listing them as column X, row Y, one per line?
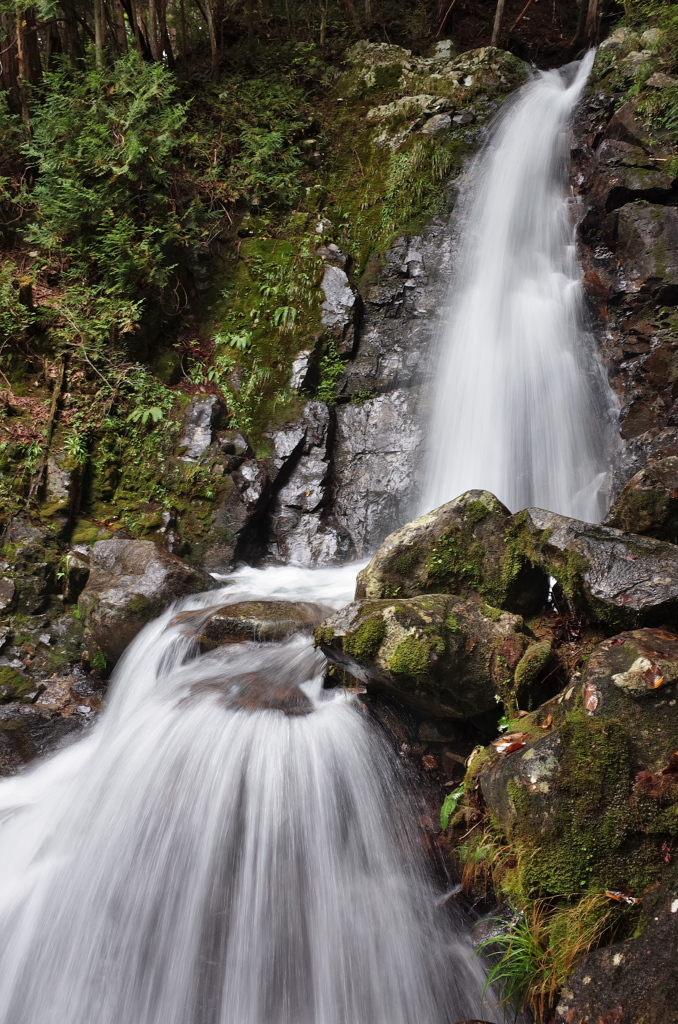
column 522, row 406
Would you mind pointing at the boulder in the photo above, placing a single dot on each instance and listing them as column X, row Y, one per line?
column 470, row 544
column 646, row 237
column 587, row 782
column 633, row 981
column 262, row 621
column 618, row 579
column 449, row 656
column 648, row 503
column 340, row 309
column 131, row 582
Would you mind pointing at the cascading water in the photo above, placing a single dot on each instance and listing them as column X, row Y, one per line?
column 522, row 407
column 199, row 859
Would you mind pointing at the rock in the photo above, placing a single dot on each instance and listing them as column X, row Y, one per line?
column 585, row 790
column 7, row 592
column 468, row 545
column 202, row 416
column 263, row 621
column 661, row 81
column 340, row 308
column 59, row 482
column 437, row 123
column 647, row 247
column 443, row 655
column 242, row 507
column 130, row 583
column 256, row 692
column 632, row 981
column 28, row 731
column 618, row 579
column 622, row 39
column 301, row 533
column 77, row 572
column 648, row 503
column 379, row 455
column 301, row 368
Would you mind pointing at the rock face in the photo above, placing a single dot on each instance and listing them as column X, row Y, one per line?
column 445, row 656
column 200, row 421
column 131, row 582
column 648, row 503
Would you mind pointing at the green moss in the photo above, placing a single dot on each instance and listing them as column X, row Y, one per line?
column 323, row 635
column 532, row 664
column 139, row 604
column 490, row 612
column 364, row 643
column 456, row 557
column 411, row 657
column 14, row 685
column 476, row 511
column 451, row 624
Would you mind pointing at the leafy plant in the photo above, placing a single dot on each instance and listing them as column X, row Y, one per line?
column 450, row 805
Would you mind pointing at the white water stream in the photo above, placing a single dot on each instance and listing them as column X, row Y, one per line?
column 523, row 408
column 198, row 861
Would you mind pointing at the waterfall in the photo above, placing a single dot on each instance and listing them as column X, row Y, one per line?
column 522, row 406
column 202, row 859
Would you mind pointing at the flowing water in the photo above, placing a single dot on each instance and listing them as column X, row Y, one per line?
column 199, row 859
column 522, row 408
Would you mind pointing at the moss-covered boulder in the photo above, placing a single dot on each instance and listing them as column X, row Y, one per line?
column 450, row 656
column 263, row 621
column 621, row 580
column 585, row 787
column 468, row 545
column 648, row 503
column 130, row 582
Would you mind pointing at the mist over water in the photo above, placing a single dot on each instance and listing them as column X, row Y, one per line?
column 522, row 407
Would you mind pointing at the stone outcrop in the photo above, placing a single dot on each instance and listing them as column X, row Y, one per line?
column 130, row 582
column 648, row 503
column 262, row 621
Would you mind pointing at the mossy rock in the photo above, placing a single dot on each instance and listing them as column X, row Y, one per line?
column 469, row 544
column 15, row 686
column 441, row 654
column 571, row 799
column 648, row 503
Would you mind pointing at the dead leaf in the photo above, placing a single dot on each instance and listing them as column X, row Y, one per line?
column 667, row 853
column 591, row 697
column 508, row 748
column 672, row 766
column 654, row 677
column 429, row 762
column 612, row 1017
column 522, row 714
column 508, row 737
column 617, row 641
column 621, row 897
column 548, row 723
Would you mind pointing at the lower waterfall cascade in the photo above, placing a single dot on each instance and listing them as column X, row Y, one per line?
column 522, row 405
column 195, row 860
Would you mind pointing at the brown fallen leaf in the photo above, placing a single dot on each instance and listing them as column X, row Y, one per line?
column 591, row 697
column 508, row 737
column 654, row 677
column 429, row 762
column 617, row 641
column 508, row 748
column 672, row 766
column 622, row 897
column 548, row 722
column 522, row 714
column 614, row 1016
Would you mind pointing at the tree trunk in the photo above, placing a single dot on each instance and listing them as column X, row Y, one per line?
column 23, row 67
column 99, row 33
column 498, row 19
column 323, row 23
column 118, row 26
column 153, row 32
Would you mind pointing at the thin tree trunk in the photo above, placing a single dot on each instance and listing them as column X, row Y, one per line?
column 99, row 33
column 591, row 30
column 118, row 26
column 23, row 69
column 153, row 33
column 184, row 44
column 323, row 23
column 498, row 19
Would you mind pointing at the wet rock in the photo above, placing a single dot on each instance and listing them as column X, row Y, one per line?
column 379, row 454
column 7, row 592
column 28, row 731
column 256, row 692
column 60, row 481
column 77, row 572
column 443, row 655
column 632, row 981
column 618, row 579
column 301, row 369
column 647, row 247
column 130, row 583
column 648, row 503
column 242, row 506
column 340, row 308
column 200, row 420
column 263, row 621
column 301, row 532
column 584, row 785
column 469, row 544
column 437, row 123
